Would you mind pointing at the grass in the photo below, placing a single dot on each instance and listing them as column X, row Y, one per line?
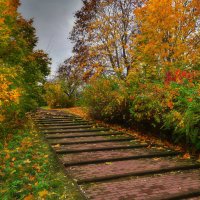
column 29, row 170
column 45, row 107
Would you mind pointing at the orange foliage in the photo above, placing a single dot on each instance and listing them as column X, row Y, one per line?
column 168, row 34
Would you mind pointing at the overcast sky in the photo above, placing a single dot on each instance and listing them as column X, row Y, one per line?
column 53, row 20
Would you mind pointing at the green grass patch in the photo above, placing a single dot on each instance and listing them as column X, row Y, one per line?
column 45, row 107
column 29, row 170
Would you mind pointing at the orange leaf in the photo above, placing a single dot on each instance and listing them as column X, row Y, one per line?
column 13, row 159
column 170, row 105
column 29, row 197
column 186, row 156
column 7, row 156
column 31, row 178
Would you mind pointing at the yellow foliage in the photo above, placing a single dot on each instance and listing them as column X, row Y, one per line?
column 8, row 95
column 2, row 118
column 43, row 193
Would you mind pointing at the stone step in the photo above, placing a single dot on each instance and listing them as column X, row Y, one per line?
column 65, row 127
column 47, row 123
column 77, row 130
column 161, row 187
column 93, row 147
column 111, row 156
column 58, row 120
column 87, row 140
column 120, row 169
column 89, row 134
column 64, row 124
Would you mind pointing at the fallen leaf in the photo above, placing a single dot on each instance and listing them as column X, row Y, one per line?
column 43, row 193
column 36, row 184
column 29, row 197
column 3, row 191
column 31, row 178
column 7, row 156
column 186, row 156
column 13, row 159
column 37, row 168
column 57, row 145
column 170, row 105
column 108, row 163
column 156, row 159
column 27, row 161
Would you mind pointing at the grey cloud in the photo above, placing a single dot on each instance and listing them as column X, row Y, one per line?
column 53, row 20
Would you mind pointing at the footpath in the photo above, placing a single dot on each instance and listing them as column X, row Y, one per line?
column 111, row 165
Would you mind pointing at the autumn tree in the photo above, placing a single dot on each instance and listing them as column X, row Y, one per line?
column 168, row 38
column 80, row 33
column 70, row 76
column 23, row 69
column 102, row 36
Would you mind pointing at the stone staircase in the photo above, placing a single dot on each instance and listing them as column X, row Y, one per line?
column 111, row 165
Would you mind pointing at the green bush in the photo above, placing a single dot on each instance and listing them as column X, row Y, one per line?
column 173, row 107
column 184, row 117
column 106, row 98
column 147, row 103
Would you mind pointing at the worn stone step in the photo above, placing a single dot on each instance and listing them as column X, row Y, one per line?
column 64, row 124
column 121, row 169
column 55, row 117
column 166, row 187
column 190, row 195
column 65, row 127
column 84, row 140
column 111, row 156
column 58, row 120
column 77, row 130
column 93, row 147
column 50, row 117
column 89, row 134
